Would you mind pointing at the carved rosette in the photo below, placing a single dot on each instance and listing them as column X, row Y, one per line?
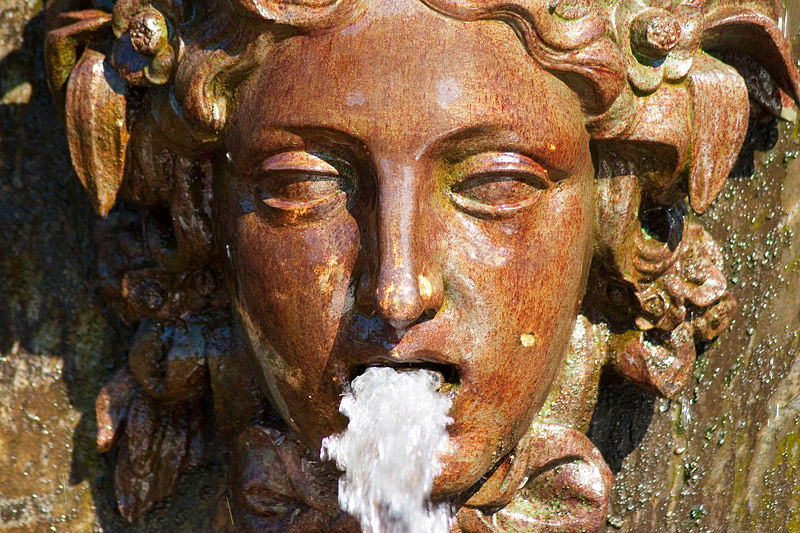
column 668, row 89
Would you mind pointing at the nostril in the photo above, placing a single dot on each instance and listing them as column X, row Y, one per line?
column 400, row 325
column 425, row 316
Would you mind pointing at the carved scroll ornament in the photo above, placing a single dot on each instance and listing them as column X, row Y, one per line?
column 649, row 99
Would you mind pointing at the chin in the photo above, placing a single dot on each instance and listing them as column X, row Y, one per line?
column 462, row 467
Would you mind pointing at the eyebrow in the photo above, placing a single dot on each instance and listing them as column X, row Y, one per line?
column 291, row 138
column 461, row 134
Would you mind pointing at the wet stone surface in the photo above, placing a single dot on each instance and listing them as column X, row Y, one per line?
column 724, row 457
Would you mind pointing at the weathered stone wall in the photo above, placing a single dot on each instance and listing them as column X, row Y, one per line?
column 52, row 329
column 725, row 457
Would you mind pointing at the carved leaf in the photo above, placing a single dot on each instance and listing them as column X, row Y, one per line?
column 159, row 445
column 657, row 148
column 111, row 408
column 169, row 360
column 663, row 366
column 721, row 109
column 555, row 480
column 572, row 400
column 97, row 131
column 63, row 43
column 277, row 484
column 743, row 29
column 715, row 319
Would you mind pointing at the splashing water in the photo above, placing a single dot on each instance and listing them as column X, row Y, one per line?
column 390, row 450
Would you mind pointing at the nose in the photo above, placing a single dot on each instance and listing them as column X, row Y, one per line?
column 404, row 286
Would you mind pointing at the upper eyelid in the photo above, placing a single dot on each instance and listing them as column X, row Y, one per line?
column 298, row 161
column 246, row 159
column 488, row 163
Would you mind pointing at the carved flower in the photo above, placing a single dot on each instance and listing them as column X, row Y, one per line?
column 694, row 281
column 687, row 303
column 143, row 54
column 660, row 40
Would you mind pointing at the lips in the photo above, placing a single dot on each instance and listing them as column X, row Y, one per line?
column 448, row 375
column 373, row 342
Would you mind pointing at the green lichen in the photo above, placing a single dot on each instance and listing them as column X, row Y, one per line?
column 731, row 373
column 697, row 513
column 789, row 459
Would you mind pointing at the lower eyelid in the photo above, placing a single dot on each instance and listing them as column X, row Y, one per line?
column 286, row 212
column 483, row 210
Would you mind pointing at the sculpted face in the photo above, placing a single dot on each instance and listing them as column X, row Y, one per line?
column 409, row 190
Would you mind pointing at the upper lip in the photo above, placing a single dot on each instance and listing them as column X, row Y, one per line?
column 448, row 372
column 410, row 350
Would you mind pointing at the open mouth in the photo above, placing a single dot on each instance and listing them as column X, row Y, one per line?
column 449, row 377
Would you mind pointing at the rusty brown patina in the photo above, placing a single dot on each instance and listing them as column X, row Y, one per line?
column 499, row 191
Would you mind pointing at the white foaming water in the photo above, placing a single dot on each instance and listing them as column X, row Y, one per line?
column 389, row 451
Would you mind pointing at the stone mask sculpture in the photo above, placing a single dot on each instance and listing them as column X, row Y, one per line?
column 498, row 191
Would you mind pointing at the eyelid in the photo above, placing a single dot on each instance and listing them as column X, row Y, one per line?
column 501, row 163
column 299, row 161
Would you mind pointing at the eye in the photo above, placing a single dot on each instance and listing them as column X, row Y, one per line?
column 497, row 184
column 497, row 191
column 298, row 190
column 296, row 186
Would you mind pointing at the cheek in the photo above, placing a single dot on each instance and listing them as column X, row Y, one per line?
column 523, row 291
column 555, row 272
column 293, row 283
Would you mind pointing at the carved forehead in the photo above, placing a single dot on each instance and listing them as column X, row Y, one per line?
column 407, row 67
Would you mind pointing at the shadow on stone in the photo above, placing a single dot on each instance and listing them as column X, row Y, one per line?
column 620, row 420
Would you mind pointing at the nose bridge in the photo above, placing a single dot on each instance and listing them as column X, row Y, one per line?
column 401, row 291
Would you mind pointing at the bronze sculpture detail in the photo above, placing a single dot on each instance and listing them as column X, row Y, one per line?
column 500, row 191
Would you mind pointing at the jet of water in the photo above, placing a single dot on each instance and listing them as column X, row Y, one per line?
column 389, row 451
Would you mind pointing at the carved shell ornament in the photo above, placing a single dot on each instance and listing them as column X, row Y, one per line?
column 667, row 88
